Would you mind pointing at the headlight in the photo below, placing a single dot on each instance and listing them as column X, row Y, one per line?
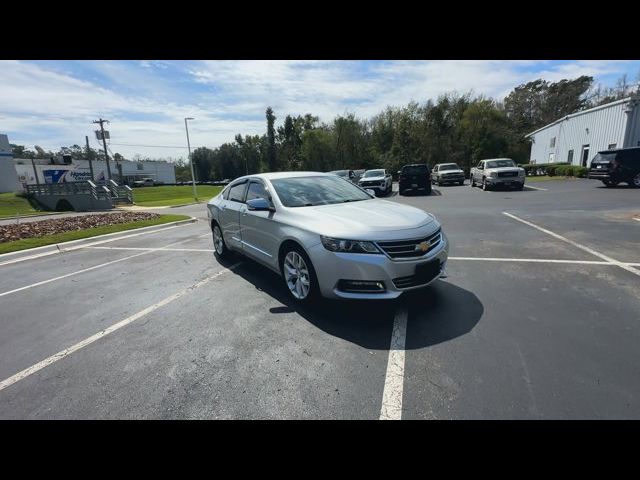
column 493, row 174
column 348, row 246
column 521, row 173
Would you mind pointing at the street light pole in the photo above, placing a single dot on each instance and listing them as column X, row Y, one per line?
column 193, row 178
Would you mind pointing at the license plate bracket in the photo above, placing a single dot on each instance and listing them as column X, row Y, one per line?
column 425, row 272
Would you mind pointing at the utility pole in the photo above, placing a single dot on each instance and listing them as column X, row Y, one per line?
column 193, row 177
column 93, row 179
column 104, row 144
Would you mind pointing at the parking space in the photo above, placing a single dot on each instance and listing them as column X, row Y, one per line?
column 528, row 324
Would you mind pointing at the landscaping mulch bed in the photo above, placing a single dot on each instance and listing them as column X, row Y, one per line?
column 9, row 233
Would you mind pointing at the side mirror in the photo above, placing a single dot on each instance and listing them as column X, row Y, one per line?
column 259, row 204
column 370, row 192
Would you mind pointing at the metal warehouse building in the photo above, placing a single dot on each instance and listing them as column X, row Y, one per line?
column 578, row 137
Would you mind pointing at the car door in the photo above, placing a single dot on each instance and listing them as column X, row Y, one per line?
column 477, row 174
column 434, row 174
column 259, row 229
column 230, row 215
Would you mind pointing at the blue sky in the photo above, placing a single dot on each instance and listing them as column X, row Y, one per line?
column 52, row 103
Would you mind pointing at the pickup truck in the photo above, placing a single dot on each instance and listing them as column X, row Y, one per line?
column 496, row 172
column 145, row 182
column 377, row 180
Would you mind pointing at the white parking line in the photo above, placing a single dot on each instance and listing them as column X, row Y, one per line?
column 103, row 333
column 157, row 249
column 532, row 260
column 622, row 265
column 70, row 249
column 636, row 219
column 43, row 282
column 536, row 188
column 394, row 379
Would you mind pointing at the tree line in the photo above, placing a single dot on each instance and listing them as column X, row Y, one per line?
column 461, row 128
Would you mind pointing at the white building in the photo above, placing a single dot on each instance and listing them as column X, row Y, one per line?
column 578, row 137
column 79, row 170
column 8, row 178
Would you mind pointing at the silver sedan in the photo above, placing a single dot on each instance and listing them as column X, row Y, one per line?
column 327, row 237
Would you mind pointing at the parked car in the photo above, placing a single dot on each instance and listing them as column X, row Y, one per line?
column 346, row 174
column 444, row 173
column 145, row 182
column 327, row 237
column 497, row 172
column 377, row 180
column 617, row 166
column 415, row 178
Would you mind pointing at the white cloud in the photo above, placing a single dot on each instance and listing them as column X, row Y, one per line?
column 51, row 108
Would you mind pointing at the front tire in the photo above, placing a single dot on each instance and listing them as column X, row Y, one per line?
column 485, row 187
column 299, row 275
column 471, row 181
column 636, row 181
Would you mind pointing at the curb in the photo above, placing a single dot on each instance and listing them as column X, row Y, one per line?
column 31, row 216
column 60, row 247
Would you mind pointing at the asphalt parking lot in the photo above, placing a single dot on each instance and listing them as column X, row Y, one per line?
column 539, row 318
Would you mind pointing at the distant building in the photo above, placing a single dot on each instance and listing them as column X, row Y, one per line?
column 60, row 170
column 8, row 178
column 578, row 137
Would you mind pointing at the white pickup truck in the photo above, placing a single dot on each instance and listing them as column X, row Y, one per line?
column 497, row 172
column 377, row 180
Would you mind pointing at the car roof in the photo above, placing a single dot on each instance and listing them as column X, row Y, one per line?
column 492, row 159
column 415, row 165
column 277, row 175
column 617, row 150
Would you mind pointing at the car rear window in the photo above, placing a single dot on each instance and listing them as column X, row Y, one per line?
column 415, row 170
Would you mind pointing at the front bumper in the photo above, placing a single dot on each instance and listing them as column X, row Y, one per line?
column 332, row 267
column 376, row 188
column 451, row 179
column 505, row 181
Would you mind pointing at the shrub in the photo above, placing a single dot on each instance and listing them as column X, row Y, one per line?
column 551, row 171
column 581, row 172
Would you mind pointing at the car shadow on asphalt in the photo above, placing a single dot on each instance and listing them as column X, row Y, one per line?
column 436, row 314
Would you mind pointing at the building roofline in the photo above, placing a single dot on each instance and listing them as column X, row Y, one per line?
column 582, row 112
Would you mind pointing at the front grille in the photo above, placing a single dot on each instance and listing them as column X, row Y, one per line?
column 371, row 184
column 507, row 174
column 407, row 248
column 455, row 174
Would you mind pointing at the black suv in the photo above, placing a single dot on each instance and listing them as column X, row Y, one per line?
column 615, row 166
column 415, row 177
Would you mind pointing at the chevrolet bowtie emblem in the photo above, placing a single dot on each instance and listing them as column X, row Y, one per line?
column 422, row 246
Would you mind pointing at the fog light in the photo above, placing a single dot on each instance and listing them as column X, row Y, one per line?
column 369, row 286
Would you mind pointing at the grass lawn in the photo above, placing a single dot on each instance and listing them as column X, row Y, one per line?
column 172, row 195
column 12, row 205
column 546, row 178
column 25, row 243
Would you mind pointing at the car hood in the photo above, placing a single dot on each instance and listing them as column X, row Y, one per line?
column 365, row 220
column 372, row 179
column 505, row 169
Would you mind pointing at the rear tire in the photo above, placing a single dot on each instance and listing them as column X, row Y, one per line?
column 219, row 246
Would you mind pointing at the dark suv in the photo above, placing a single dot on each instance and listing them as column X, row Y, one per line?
column 416, row 178
column 616, row 166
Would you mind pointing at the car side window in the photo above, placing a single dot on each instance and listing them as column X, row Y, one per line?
column 236, row 192
column 225, row 193
column 481, row 165
column 257, row 190
column 435, row 169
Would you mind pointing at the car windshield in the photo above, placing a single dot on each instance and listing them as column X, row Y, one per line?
column 501, row 163
column 374, row 173
column 316, row 190
column 341, row 173
column 449, row 166
column 415, row 170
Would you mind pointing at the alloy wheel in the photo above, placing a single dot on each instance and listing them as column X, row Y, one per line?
column 296, row 274
column 218, row 242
